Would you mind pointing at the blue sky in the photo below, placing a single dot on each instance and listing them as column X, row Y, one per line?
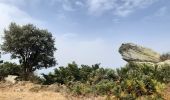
column 91, row 31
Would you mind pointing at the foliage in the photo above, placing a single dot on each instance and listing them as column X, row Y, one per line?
column 163, row 74
column 8, row 68
column 1, row 61
column 85, row 74
column 33, row 47
column 131, row 82
column 165, row 56
column 136, row 81
column 104, row 87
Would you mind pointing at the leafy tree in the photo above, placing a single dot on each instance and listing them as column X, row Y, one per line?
column 33, row 47
column 1, row 61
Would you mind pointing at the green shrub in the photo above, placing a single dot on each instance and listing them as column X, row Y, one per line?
column 104, row 87
column 8, row 68
column 138, row 80
column 78, row 88
column 131, row 82
column 73, row 73
column 163, row 74
column 165, row 56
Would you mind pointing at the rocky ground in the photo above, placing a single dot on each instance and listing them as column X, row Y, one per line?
column 30, row 91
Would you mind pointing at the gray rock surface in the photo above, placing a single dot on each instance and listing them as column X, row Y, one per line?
column 132, row 52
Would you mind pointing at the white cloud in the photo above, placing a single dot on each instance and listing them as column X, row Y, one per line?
column 96, row 7
column 118, row 7
column 100, row 6
column 66, row 5
column 79, row 3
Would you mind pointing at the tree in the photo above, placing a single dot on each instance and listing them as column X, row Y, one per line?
column 33, row 47
column 1, row 61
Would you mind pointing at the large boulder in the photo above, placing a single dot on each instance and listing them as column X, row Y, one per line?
column 135, row 53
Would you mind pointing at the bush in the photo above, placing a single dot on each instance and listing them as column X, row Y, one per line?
column 165, row 56
column 104, row 87
column 137, row 81
column 8, row 68
column 73, row 73
column 163, row 74
column 134, row 81
column 78, row 88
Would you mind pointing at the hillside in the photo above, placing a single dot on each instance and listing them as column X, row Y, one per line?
column 30, row 91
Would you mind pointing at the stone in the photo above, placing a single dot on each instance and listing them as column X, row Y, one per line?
column 11, row 79
column 164, row 63
column 134, row 53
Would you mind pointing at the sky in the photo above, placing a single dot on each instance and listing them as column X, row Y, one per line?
column 91, row 31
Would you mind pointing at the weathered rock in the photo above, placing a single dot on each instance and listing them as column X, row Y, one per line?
column 132, row 52
column 166, row 62
column 11, row 79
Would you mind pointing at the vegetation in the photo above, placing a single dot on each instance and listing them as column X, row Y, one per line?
column 165, row 56
column 8, row 68
column 1, row 61
column 129, row 82
column 35, row 50
column 32, row 46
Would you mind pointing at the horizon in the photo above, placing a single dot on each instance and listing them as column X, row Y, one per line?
column 91, row 31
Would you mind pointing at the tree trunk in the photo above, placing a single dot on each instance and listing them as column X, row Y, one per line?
column 27, row 73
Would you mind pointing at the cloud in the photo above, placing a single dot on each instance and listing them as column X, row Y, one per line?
column 121, row 8
column 65, row 5
column 162, row 11
column 79, row 3
column 13, row 2
column 10, row 13
column 161, row 14
column 100, row 6
column 118, row 7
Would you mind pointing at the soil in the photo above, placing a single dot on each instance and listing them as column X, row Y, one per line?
column 30, row 91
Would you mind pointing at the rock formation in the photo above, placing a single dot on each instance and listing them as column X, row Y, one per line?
column 135, row 53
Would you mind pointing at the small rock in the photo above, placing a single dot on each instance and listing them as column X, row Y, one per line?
column 11, row 79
